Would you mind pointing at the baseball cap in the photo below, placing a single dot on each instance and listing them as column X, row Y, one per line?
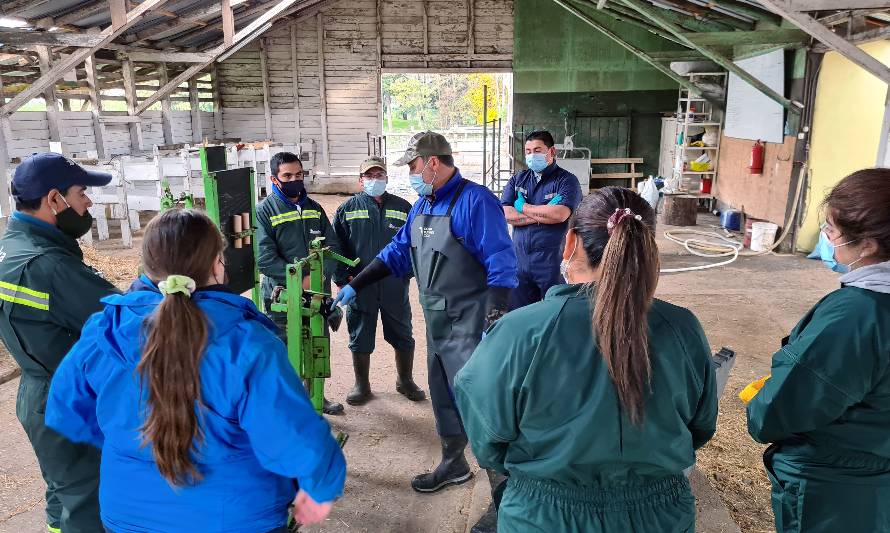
column 424, row 144
column 371, row 162
column 41, row 172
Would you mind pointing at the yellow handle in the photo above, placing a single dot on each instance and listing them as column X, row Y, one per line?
column 749, row 392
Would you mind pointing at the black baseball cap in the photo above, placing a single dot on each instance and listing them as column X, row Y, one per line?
column 44, row 171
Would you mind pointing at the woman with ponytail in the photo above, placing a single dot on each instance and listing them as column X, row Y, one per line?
column 184, row 386
column 594, row 400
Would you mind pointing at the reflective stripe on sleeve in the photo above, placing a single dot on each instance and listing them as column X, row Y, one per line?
column 24, row 296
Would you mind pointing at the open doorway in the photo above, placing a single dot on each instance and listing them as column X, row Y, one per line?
column 473, row 111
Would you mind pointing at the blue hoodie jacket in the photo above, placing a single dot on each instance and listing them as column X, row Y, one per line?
column 262, row 437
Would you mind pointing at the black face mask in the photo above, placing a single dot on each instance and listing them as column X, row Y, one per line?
column 73, row 224
column 292, row 189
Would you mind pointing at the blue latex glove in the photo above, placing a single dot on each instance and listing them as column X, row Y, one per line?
column 555, row 200
column 520, row 202
column 345, row 296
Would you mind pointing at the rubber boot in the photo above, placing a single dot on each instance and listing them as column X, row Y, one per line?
column 405, row 383
column 361, row 392
column 327, row 407
column 453, row 470
column 489, row 521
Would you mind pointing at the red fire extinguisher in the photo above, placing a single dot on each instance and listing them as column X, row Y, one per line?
column 756, row 166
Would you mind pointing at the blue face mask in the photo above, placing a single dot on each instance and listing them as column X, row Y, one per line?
column 536, row 162
column 826, row 253
column 374, row 187
column 421, row 187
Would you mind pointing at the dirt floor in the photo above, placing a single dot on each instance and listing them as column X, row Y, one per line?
column 748, row 306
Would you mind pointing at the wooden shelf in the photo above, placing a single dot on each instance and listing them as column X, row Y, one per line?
column 686, row 123
column 699, row 147
column 707, row 173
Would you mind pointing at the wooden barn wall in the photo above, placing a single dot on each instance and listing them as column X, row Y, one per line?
column 353, row 58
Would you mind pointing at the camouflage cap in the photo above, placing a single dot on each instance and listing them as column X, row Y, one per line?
column 371, row 162
column 424, row 144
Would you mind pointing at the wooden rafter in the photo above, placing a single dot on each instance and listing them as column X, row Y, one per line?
column 831, row 39
column 655, row 15
column 67, row 64
column 248, row 32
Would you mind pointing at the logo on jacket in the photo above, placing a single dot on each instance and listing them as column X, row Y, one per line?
column 2, row 254
column 315, row 231
column 549, row 196
column 393, row 226
column 426, row 232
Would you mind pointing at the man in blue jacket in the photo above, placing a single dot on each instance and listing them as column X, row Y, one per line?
column 538, row 202
column 456, row 242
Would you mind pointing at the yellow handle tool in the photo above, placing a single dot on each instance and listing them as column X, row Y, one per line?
column 749, row 392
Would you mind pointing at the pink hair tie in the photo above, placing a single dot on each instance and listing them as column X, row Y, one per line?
column 618, row 216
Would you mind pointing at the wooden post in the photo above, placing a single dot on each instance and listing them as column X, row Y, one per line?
column 323, row 101
column 264, row 71
column 44, row 55
column 680, row 210
column 166, row 108
column 471, row 31
column 426, row 35
column 217, row 102
column 228, row 23
column 132, row 102
column 89, row 64
column 195, row 105
column 295, row 77
column 118, row 12
column 378, row 8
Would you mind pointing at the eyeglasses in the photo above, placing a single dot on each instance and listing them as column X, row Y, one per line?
column 374, row 175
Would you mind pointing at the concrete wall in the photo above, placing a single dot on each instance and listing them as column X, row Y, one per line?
column 849, row 111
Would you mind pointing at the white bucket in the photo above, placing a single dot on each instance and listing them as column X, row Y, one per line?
column 763, row 235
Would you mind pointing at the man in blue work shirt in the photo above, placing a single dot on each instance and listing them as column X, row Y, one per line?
column 456, row 243
column 538, row 203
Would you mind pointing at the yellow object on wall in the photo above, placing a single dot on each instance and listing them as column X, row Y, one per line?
column 849, row 111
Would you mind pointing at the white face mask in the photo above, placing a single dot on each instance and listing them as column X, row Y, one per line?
column 564, row 264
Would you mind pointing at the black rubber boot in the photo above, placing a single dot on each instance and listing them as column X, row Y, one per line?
column 453, row 470
column 361, row 392
column 332, row 408
column 489, row 521
column 405, row 383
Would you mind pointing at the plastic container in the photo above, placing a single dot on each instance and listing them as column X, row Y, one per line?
column 749, row 222
column 706, row 185
column 763, row 235
column 731, row 219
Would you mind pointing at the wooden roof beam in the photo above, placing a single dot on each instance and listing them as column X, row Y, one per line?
column 78, row 57
column 18, row 37
column 251, row 31
column 736, row 38
column 197, row 17
column 682, row 81
column 832, row 5
column 831, row 39
column 655, row 15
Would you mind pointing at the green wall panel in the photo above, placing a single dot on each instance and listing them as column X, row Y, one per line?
column 556, row 52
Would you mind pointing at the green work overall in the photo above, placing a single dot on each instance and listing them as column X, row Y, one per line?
column 46, row 295
column 538, row 404
column 826, row 409
column 284, row 234
column 365, row 227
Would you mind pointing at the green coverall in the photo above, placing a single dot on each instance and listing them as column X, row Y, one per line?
column 365, row 227
column 46, row 295
column 826, row 409
column 538, row 404
column 284, row 234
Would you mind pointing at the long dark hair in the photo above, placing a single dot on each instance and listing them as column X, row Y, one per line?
column 620, row 300
column 860, row 207
column 186, row 243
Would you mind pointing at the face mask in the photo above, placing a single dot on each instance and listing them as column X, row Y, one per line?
column 292, row 189
column 374, row 187
column 71, row 223
column 564, row 264
column 826, row 253
column 536, row 162
column 421, row 187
